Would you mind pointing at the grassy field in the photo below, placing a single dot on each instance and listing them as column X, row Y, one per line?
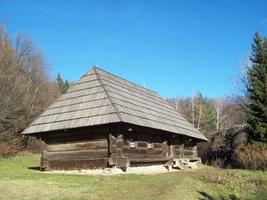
column 20, row 180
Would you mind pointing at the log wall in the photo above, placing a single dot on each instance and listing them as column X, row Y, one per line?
column 145, row 152
column 75, row 155
column 102, row 148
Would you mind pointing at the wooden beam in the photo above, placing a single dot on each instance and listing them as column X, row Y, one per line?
column 74, row 155
column 78, row 164
column 78, row 146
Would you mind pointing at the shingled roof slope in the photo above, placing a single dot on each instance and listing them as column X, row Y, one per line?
column 100, row 97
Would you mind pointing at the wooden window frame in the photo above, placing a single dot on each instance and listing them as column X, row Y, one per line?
column 132, row 144
column 150, row 145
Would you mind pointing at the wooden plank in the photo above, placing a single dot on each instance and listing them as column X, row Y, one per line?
column 178, row 152
column 141, row 144
column 147, row 160
column 112, row 143
column 129, row 150
column 78, row 164
column 44, row 161
column 79, row 134
column 116, row 153
column 178, row 147
column 144, row 156
column 74, row 155
column 158, row 145
column 190, row 148
column 171, row 151
column 190, row 153
column 164, row 147
column 78, row 146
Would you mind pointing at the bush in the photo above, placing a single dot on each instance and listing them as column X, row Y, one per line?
column 12, row 148
column 252, row 157
column 7, row 150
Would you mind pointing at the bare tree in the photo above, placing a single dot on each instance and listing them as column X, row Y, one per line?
column 193, row 109
column 25, row 86
column 176, row 101
column 218, row 104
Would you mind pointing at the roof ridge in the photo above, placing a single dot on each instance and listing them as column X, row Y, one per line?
column 95, row 67
column 108, row 97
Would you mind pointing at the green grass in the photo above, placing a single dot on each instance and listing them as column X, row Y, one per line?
column 19, row 181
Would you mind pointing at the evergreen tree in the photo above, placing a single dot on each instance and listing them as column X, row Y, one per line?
column 256, row 90
column 204, row 113
column 63, row 85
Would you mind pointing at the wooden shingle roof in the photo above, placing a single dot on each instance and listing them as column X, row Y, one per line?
column 100, row 98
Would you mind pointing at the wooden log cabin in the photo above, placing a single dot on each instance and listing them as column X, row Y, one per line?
column 106, row 121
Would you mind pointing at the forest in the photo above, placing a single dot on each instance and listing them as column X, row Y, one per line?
column 236, row 126
column 26, row 89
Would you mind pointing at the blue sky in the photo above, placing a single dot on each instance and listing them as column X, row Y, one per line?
column 172, row 47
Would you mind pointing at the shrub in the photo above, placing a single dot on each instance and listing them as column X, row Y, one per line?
column 252, row 157
column 7, row 150
column 11, row 149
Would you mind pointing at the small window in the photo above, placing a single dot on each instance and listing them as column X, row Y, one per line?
column 132, row 144
column 149, row 145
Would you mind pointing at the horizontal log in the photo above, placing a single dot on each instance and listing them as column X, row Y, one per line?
column 190, row 148
column 177, row 152
column 147, row 160
column 158, row 145
column 78, row 164
column 76, row 137
column 74, row 155
column 189, row 154
column 178, row 147
column 142, row 144
column 186, row 150
column 177, row 156
column 78, row 146
column 144, row 156
column 145, row 145
column 141, row 150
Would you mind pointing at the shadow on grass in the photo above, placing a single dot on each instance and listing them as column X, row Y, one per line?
column 206, row 196
column 37, row 168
